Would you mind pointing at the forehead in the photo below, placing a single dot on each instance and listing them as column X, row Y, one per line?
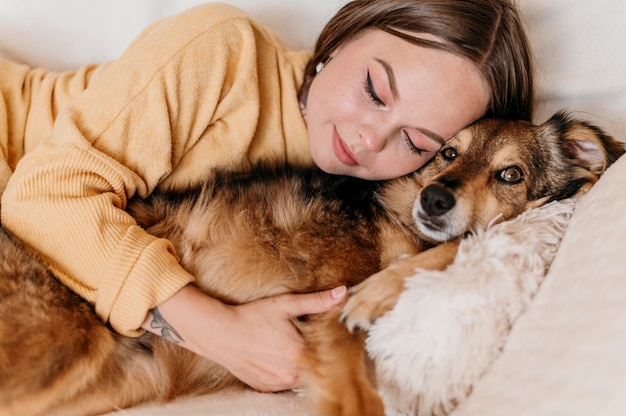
column 499, row 141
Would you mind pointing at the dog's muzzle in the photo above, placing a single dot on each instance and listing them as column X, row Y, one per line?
column 429, row 213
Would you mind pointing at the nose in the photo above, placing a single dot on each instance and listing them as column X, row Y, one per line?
column 373, row 139
column 436, row 200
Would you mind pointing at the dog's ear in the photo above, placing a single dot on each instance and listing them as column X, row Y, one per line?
column 585, row 144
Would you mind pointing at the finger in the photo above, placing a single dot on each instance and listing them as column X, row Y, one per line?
column 318, row 302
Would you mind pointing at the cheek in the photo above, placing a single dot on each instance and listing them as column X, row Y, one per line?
column 334, row 97
column 392, row 166
column 400, row 156
column 485, row 207
column 490, row 203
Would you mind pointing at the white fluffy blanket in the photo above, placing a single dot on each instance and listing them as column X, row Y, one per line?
column 445, row 331
column 449, row 326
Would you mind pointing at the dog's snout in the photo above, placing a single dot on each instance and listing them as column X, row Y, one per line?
column 436, row 200
column 449, row 181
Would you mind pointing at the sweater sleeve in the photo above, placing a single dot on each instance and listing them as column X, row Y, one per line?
column 187, row 85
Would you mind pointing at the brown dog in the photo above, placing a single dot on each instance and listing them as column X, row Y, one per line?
column 280, row 230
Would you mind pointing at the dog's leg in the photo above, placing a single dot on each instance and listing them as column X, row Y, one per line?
column 379, row 293
column 52, row 345
column 335, row 369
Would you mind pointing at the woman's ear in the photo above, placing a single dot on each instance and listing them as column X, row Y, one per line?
column 322, row 64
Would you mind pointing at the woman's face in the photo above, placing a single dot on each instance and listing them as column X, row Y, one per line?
column 382, row 107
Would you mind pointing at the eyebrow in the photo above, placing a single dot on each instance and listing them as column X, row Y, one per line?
column 391, row 76
column 433, row 136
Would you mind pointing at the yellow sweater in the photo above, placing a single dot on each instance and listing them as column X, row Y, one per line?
column 205, row 88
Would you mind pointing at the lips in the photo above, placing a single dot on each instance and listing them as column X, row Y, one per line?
column 342, row 152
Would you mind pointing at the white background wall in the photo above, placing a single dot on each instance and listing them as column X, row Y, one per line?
column 63, row 34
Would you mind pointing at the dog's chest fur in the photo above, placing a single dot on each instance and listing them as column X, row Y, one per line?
column 300, row 228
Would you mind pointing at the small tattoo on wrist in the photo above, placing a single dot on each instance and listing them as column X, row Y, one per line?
column 167, row 331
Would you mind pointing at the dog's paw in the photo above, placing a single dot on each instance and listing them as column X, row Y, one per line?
column 371, row 299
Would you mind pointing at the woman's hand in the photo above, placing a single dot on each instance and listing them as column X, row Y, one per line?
column 257, row 341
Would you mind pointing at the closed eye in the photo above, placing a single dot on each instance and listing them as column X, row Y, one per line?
column 371, row 91
column 412, row 147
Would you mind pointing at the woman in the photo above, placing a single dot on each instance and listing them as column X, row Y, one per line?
column 388, row 82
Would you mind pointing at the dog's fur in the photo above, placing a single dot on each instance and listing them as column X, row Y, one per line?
column 280, row 230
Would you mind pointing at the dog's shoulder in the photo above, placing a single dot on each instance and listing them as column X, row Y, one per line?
column 305, row 183
column 264, row 184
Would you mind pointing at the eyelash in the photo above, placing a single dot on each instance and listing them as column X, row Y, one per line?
column 412, row 148
column 368, row 86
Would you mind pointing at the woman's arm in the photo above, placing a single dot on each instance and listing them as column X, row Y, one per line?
column 257, row 341
column 183, row 99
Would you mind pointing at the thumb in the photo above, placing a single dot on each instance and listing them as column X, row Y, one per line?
column 317, row 302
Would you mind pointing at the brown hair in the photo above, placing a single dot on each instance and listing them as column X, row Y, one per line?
column 488, row 32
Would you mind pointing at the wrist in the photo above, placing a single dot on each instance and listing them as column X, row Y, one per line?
column 184, row 316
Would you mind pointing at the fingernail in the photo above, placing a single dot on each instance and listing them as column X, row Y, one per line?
column 338, row 292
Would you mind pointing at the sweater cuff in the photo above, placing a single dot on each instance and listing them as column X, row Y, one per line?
column 144, row 274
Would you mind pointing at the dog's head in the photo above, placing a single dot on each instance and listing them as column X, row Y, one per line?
column 496, row 169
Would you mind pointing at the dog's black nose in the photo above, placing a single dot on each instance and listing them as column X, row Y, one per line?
column 436, row 200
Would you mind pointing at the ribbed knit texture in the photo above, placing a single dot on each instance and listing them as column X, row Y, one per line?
column 202, row 89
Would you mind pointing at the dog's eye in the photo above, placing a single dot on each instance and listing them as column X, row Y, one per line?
column 511, row 175
column 449, row 153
